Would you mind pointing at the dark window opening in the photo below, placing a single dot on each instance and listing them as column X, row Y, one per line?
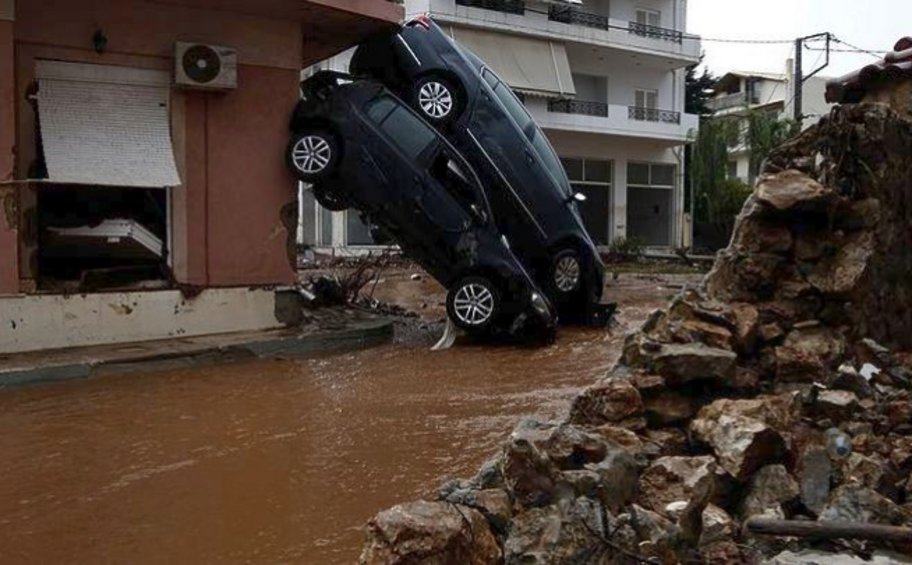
column 93, row 238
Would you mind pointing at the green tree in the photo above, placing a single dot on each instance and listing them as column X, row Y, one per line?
column 698, row 90
column 717, row 198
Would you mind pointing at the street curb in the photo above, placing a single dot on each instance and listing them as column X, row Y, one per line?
column 366, row 334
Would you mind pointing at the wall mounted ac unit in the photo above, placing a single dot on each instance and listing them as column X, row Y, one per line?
column 210, row 67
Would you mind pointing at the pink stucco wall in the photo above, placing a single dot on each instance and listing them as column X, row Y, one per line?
column 229, row 146
column 9, row 266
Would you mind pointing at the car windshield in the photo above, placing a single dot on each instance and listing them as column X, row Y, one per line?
column 405, row 129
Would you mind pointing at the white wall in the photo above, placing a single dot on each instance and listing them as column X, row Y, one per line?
column 120, row 317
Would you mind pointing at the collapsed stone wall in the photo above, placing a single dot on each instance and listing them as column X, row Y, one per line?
column 765, row 392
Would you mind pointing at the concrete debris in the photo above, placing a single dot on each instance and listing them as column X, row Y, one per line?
column 776, row 389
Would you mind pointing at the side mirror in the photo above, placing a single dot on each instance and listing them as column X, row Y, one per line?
column 577, row 196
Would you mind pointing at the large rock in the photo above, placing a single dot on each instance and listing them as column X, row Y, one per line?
column 611, row 401
column 789, row 189
column 717, row 524
column 767, row 490
column 741, row 444
column 555, row 535
column 814, row 474
column 430, row 532
column 673, row 479
column 684, row 362
column 842, row 272
column 860, row 504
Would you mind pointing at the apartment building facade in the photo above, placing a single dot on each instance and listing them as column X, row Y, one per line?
column 740, row 93
column 605, row 80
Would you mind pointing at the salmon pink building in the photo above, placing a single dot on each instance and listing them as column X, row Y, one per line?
column 143, row 193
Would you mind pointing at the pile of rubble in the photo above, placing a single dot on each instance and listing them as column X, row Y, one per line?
column 765, row 393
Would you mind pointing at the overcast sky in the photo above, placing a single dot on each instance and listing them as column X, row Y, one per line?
column 868, row 24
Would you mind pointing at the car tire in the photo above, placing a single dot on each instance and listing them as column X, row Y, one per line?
column 566, row 273
column 437, row 99
column 473, row 304
column 313, row 154
column 330, row 198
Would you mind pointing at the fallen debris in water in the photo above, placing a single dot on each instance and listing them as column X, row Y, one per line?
column 772, row 392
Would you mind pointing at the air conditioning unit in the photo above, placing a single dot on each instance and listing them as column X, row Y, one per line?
column 210, row 67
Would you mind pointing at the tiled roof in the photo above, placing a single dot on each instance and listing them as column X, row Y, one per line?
column 853, row 86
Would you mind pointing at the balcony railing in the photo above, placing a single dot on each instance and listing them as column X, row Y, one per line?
column 574, row 16
column 506, row 6
column 655, row 32
column 738, row 99
column 641, row 114
column 585, row 107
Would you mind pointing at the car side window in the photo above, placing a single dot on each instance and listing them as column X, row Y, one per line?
column 509, row 100
column 406, row 130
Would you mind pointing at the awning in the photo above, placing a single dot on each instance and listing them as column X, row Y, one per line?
column 105, row 125
column 531, row 66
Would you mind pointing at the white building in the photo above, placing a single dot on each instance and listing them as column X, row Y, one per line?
column 605, row 80
column 739, row 93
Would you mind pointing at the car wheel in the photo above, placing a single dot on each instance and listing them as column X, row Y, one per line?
column 313, row 154
column 473, row 304
column 566, row 272
column 330, row 198
column 437, row 100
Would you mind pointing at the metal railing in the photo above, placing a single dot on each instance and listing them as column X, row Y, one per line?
column 655, row 32
column 506, row 6
column 575, row 16
column 739, row 99
column 584, row 107
column 641, row 114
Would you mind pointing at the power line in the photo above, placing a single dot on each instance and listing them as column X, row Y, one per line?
column 869, row 52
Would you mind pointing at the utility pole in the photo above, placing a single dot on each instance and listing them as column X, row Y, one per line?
column 799, row 76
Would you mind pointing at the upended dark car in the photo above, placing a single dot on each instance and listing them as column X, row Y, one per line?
column 529, row 192
column 360, row 146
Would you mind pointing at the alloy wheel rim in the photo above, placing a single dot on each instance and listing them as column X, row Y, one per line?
column 435, row 99
column 311, row 154
column 473, row 304
column 567, row 274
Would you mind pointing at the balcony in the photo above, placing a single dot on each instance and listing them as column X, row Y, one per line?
column 569, row 24
column 574, row 16
column 668, row 128
column 664, row 34
column 505, row 6
column 729, row 101
column 641, row 114
column 582, row 107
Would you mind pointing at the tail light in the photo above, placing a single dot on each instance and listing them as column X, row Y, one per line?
column 423, row 21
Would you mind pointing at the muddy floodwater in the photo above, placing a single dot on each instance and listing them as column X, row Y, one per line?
column 271, row 461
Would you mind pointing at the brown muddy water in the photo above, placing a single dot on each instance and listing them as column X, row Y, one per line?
column 271, row 461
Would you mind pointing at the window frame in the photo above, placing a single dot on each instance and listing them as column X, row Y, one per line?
column 650, row 183
column 648, row 13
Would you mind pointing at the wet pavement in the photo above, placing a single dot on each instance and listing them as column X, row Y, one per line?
column 279, row 460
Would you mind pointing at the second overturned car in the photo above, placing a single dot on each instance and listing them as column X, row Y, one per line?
column 359, row 146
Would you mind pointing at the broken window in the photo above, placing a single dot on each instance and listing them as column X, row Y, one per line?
column 105, row 153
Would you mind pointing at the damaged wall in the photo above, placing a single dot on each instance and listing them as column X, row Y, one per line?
column 229, row 145
column 760, row 394
column 117, row 317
